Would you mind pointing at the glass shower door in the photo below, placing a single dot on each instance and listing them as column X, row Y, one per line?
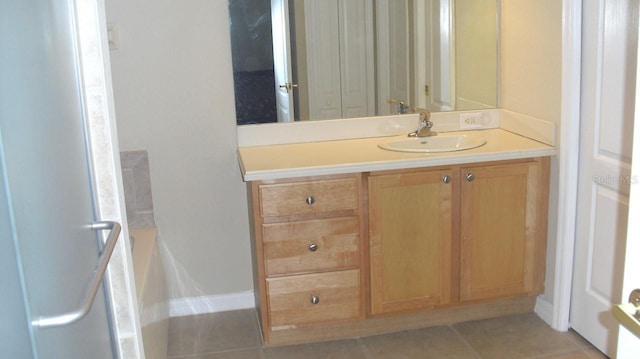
column 48, row 182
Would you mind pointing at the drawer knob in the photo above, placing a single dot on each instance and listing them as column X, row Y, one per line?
column 470, row 177
column 315, row 299
column 310, row 200
column 446, row 179
column 313, row 247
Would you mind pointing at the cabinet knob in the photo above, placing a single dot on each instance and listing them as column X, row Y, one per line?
column 310, row 200
column 446, row 179
column 313, row 247
column 315, row 299
column 470, row 177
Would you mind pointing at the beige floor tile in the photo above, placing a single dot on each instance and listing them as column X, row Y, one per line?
column 437, row 342
column 342, row 349
column 595, row 354
column 255, row 353
column 216, row 332
column 579, row 354
column 513, row 337
column 236, row 335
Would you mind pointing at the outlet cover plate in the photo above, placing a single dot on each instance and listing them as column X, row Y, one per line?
column 471, row 121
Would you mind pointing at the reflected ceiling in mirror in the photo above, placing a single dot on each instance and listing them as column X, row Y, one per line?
column 299, row 60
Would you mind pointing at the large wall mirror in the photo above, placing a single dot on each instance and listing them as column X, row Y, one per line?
column 300, row 60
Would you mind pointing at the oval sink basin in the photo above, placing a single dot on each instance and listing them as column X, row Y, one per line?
column 433, row 144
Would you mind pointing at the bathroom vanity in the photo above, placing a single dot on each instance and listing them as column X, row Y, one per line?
column 350, row 239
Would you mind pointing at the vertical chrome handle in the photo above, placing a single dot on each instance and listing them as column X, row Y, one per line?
column 469, row 177
column 310, row 200
column 98, row 274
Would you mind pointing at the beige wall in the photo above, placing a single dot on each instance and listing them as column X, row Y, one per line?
column 476, row 52
column 173, row 90
column 531, row 45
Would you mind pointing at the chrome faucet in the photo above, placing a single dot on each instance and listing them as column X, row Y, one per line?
column 424, row 124
column 403, row 108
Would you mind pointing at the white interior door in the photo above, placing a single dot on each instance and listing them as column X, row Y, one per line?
column 608, row 82
column 356, row 58
column 628, row 342
column 339, row 58
column 423, row 26
column 443, row 58
column 47, row 193
column 393, row 63
column 282, row 60
column 322, row 30
column 433, row 46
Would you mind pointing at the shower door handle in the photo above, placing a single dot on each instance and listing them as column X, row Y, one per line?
column 98, row 274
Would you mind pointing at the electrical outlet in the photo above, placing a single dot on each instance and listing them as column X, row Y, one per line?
column 471, row 121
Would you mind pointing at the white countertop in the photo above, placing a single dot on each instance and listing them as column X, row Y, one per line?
column 364, row 155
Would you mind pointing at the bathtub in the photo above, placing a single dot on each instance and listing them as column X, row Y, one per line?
column 151, row 289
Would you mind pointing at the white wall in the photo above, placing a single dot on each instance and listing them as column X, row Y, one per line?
column 173, row 88
column 531, row 45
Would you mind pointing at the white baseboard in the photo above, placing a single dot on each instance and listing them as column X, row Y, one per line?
column 211, row 304
column 245, row 300
column 544, row 309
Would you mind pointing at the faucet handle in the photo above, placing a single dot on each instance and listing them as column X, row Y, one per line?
column 424, row 125
column 403, row 107
column 425, row 115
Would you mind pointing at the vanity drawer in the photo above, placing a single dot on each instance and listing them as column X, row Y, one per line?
column 286, row 199
column 314, row 298
column 315, row 245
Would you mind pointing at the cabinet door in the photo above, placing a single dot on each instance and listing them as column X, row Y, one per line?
column 410, row 240
column 503, row 230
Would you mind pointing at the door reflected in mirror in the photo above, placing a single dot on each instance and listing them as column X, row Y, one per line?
column 299, row 60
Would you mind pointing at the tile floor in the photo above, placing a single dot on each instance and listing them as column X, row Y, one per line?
column 235, row 335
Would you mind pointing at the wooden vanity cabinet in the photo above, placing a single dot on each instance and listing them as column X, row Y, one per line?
column 410, row 231
column 359, row 254
column 308, row 240
column 463, row 234
column 503, row 229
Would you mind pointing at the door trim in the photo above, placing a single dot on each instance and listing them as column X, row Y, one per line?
column 568, row 154
column 104, row 154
